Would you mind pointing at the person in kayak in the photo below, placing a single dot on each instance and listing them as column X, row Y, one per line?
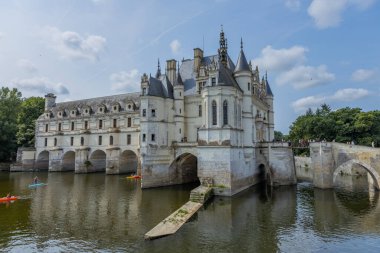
column 35, row 180
column 8, row 195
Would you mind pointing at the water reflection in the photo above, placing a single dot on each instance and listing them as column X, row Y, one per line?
column 109, row 213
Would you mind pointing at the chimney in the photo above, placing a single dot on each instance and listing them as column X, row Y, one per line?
column 198, row 55
column 49, row 101
column 171, row 69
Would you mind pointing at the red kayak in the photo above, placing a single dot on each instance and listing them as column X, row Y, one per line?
column 8, row 199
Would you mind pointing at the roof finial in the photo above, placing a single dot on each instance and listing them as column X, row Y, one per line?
column 158, row 74
column 241, row 43
column 221, row 28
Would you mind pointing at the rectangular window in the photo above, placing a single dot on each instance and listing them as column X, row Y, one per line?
column 72, row 126
column 45, row 142
column 129, row 122
column 100, row 140
column 55, row 142
column 143, row 91
column 86, row 124
column 153, row 113
column 114, row 123
column 111, row 140
column 81, row 141
column 144, row 113
column 71, row 141
column 213, row 81
column 153, row 137
column 128, row 139
column 59, row 126
column 143, row 137
column 200, row 110
column 46, row 127
column 100, row 124
column 249, row 86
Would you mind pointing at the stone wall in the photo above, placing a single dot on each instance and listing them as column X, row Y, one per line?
column 303, row 168
column 281, row 163
column 4, row 166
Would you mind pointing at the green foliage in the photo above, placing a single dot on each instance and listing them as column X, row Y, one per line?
column 343, row 125
column 30, row 109
column 10, row 101
column 278, row 136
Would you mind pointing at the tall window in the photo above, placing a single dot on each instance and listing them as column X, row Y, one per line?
column 100, row 140
column 225, row 112
column 71, row 141
column 45, row 142
column 249, row 86
column 111, row 140
column 129, row 122
column 100, row 124
column 46, row 127
column 59, row 126
column 143, row 137
column 143, row 91
column 153, row 138
column 214, row 115
column 128, row 139
column 114, row 123
column 144, row 112
column 55, row 142
column 153, row 113
column 213, row 81
column 72, row 126
column 200, row 110
column 81, row 141
column 86, row 124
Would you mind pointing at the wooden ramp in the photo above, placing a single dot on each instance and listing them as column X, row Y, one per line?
column 173, row 222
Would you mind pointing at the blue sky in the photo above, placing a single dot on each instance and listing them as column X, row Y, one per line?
column 315, row 51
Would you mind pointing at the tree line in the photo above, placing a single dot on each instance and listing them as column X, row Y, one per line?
column 346, row 125
column 18, row 117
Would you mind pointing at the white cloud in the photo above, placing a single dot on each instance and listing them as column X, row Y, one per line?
column 27, row 65
column 343, row 95
column 280, row 59
column 328, row 13
column 306, row 76
column 71, row 45
column 41, row 85
column 363, row 75
column 125, row 81
column 349, row 94
column 175, row 46
column 293, row 5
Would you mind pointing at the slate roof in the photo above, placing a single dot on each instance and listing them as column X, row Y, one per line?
column 269, row 90
column 242, row 64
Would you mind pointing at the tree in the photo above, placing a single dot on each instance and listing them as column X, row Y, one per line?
column 278, row 136
column 30, row 109
column 10, row 101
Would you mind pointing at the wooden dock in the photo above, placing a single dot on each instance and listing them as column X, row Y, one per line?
column 173, row 222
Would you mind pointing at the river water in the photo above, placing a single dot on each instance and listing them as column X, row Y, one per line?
column 98, row 213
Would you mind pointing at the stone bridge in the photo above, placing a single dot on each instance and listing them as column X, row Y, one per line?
column 328, row 159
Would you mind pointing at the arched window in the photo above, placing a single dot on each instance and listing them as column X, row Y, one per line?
column 111, row 140
column 214, row 115
column 225, row 112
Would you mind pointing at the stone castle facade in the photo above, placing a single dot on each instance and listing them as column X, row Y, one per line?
column 204, row 118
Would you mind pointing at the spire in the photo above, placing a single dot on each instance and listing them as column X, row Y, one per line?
column 158, row 74
column 178, row 80
column 222, row 51
column 242, row 64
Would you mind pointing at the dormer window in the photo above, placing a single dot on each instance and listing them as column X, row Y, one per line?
column 115, row 107
column 143, row 91
column 86, row 110
column 129, row 107
column 101, row 109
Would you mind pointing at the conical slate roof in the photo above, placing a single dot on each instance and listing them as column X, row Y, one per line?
column 269, row 91
column 242, row 64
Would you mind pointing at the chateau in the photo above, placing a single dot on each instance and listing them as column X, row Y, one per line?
column 205, row 119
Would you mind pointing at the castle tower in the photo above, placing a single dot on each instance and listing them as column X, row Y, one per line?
column 179, row 106
column 49, row 101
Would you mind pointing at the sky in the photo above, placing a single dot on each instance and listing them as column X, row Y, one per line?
column 315, row 51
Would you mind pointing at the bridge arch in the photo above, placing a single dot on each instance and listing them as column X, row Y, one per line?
column 98, row 161
column 68, row 161
column 42, row 162
column 184, row 169
column 129, row 162
column 375, row 176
